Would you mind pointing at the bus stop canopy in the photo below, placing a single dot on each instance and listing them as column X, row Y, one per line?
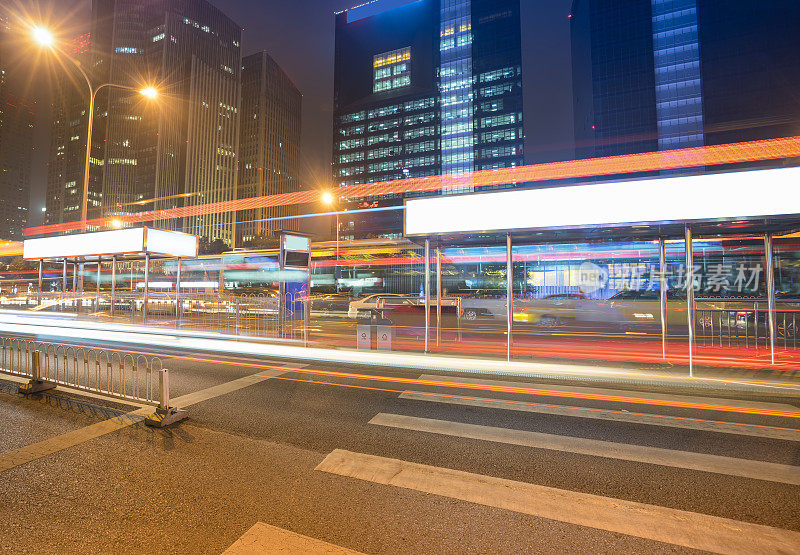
column 121, row 244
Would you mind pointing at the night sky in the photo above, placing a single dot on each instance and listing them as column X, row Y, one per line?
column 299, row 34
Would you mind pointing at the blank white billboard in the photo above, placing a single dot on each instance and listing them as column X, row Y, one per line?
column 723, row 196
column 137, row 240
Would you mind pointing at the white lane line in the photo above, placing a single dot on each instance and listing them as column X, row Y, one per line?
column 693, row 530
column 788, row 434
column 265, row 539
column 625, row 392
column 745, row 468
column 52, row 445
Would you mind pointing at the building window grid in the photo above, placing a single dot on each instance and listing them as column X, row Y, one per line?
column 392, row 70
column 456, row 109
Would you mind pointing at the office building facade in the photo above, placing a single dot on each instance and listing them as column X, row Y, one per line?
column 16, row 145
column 425, row 88
column 664, row 74
column 269, row 146
column 66, row 160
column 177, row 150
column 16, row 149
column 180, row 149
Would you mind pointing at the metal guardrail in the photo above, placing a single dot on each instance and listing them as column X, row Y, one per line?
column 116, row 374
column 746, row 327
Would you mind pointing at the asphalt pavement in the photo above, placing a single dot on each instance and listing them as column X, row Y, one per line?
column 395, row 460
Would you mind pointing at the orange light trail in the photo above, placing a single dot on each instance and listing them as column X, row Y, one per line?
column 769, row 149
column 483, row 387
column 552, row 393
column 587, row 410
column 11, row 248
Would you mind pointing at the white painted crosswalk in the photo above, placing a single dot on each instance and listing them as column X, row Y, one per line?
column 757, row 470
column 668, row 421
column 687, row 529
column 264, row 539
column 651, row 522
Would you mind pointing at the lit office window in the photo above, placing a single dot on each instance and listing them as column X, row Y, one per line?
column 392, row 70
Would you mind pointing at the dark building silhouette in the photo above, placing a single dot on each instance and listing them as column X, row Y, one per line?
column 68, row 141
column 16, row 146
column 656, row 75
column 269, row 145
column 420, row 89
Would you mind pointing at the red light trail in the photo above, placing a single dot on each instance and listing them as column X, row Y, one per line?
column 769, row 149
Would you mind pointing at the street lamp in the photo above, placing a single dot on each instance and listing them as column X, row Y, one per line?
column 45, row 38
column 149, row 92
column 329, row 199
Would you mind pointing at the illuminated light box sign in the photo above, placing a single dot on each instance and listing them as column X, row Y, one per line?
column 120, row 242
column 723, row 196
column 295, row 251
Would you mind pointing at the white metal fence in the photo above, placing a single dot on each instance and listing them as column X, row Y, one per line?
column 117, row 374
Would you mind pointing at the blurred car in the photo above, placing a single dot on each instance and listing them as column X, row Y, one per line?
column 331, row 302
column 483, row 305
column 552, row 310
column 370, row 302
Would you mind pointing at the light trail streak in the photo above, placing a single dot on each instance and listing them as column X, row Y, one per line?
column 486, row 387
column 733, row 153
column 561, row 394
column 588, row 410
column 221, row 344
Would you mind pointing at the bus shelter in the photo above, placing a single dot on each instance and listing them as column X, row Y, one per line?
column 761, row 203
column 122, row 245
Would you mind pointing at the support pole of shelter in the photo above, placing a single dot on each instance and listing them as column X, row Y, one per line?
column 427, row 285
column 63, row 284
column 768, row 256
column 438, row 295
column 178, row 292
column 74, row 284
column 113, row 282
column 39, row 294
column 97, row 294
column 146, row 286
column 690, row 296
column 509, row 295
column 662, row 270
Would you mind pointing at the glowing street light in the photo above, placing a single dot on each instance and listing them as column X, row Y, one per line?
column 149, row 92
column 43, row 37
column 329, row 199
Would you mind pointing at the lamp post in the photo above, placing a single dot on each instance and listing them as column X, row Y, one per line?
column 329, row 199
column 45, row 38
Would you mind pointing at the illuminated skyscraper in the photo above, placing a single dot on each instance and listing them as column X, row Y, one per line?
column 181, row 148
column 68, row 142
column 269, row 147
column 424, row 88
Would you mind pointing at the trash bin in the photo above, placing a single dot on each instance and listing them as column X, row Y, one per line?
column 364, row 336
column 364, row 330
column 385, row 330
